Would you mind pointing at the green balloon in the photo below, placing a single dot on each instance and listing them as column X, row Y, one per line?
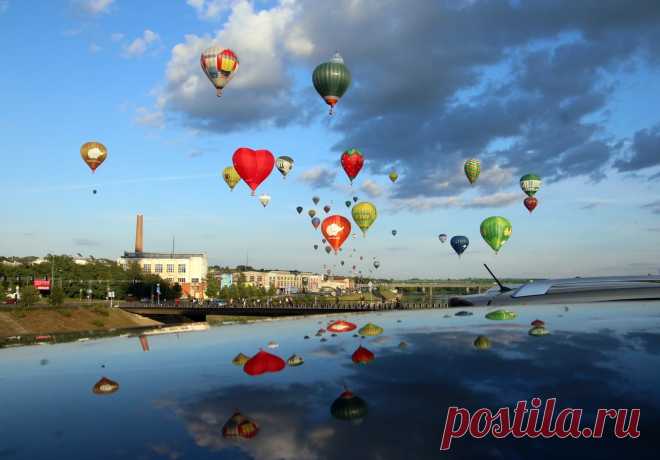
column 482, row 342
column 364, row 214
column 538, row 331
column 530, row 184
column 472, row 170
column 496, row 231
column 501, row 315
column 331, row 80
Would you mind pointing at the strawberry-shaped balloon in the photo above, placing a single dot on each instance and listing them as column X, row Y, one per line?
column 352, row 162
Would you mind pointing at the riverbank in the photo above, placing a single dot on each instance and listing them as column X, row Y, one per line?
column 34, row 321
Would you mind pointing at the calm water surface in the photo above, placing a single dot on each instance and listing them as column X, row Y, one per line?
column 174, row 399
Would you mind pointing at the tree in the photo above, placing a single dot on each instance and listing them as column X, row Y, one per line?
column 212, row 286
column 176, row 290
column 56, row 297
column 29, row 296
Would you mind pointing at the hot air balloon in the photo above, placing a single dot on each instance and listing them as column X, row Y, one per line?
column 93, row 153
column 393, row 176
column 393, row 232
column 376, row 264
column 336, row 229
column 348, row 407
column 459, row 243
column 326, row 208
column 316, row 246
column 311, row 213
column 284, row 165
column 254, row 166
column 362, row 356
column 341, row 326
column 328, row 249
column 263, row 362
column 352, row 162
column 295, row 360
column 442, row 237
column 496, row 231
column 482, row 342
column 316, row 222
column 501, row 315
column 105, row 386
column 370, row 330
column 239, row 427
column 94, row 191
column 240, row 359
column 231, row 177
column 316, row 199
column 144, row 342
column 299, row 209
column 348, row 204
column 538, row 323
column 361, row 257
column 219, row 65
column 264, row 200
column 472, row 169
column 538, row 331
column 364, row 214
column 331, row 80
column 530, row 203
column 530, row 184
column 355, row 199
column 323, row 240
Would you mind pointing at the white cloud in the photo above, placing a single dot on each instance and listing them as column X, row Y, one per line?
column 4, row 6
column 423, row 203
column 318, row 177
column 141, row 44
column 265, row 41
column 94, row 48
column 117, row 37
column 495, row 200
column 371, row 188
column 210, row 9
column 95, row 7
column 496, row 177
column 153, row 119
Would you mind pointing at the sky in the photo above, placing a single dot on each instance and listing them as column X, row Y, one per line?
column 567, row 90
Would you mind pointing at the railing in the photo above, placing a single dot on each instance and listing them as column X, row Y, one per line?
column 346, row 306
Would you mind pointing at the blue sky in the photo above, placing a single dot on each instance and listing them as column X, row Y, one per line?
column 121, row 72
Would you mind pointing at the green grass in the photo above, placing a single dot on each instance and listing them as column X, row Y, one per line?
column 98, row 323
column 64, row 312
column 101, row 311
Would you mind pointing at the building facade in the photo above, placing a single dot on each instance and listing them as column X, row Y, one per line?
column 189, row 270
column 280, row 280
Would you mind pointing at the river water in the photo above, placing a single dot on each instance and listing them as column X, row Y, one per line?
column 173, row 400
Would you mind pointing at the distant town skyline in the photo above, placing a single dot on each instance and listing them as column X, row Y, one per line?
column 571, row 95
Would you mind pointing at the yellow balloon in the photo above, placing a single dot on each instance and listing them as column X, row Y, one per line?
column 231, row 177
column 93, row 153
column 364, row 214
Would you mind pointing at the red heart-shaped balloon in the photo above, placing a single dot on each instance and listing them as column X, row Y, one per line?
column 263, row 362
column 336, row 229
column 352, row 162
column 254, row 166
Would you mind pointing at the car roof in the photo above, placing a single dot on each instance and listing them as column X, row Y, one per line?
column 568, row 285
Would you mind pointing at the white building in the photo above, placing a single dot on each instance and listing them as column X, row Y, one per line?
column 189, row 270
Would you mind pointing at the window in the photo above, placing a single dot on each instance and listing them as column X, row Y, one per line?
column 182, row 268
column 170, row 268
column 252, row 279
column 158, row 268
column 146, row 268
column 195, row 280
column 182, row 280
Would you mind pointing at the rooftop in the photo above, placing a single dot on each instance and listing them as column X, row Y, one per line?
column 160, row 255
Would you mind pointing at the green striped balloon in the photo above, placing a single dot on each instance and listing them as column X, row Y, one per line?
column 530, row 184
column 472, row 169
column 496, row 231
column 331, row 80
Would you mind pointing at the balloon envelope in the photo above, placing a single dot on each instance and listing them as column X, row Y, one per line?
column 219, row 65
column 331, row 80
column 364, row 215
column 336, row 229
column 348, row 204
column 362, row 356
column 393, row 176
column 348, row 407
column 238, row 426
column 472, row 170
column 316, row 199
column 459, row 243
column 263, row 362
column 284, row 165
column 352, row 162
column 530, row 184
column 341, row 325
column 326, row 208
column 316, row 222
column 496, row 231
column 254, row 166
column 442, row 237
column 394, row 232
column 311, row 213
column 530, row 203
column 264, row 200
column 231, row 177
column 93, row 153
column 299, row 209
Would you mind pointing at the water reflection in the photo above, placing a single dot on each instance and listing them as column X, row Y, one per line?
column 176, row 401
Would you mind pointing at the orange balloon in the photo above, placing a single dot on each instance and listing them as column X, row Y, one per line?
column 336, row 229
column 93, row 153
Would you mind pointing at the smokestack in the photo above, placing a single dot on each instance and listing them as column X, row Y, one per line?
column 139, row 242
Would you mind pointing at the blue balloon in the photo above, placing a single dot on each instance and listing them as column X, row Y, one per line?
column 459, row 243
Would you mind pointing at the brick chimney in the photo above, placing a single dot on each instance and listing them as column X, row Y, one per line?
column 139, row 241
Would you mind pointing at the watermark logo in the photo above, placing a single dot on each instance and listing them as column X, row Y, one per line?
column 534, row 422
